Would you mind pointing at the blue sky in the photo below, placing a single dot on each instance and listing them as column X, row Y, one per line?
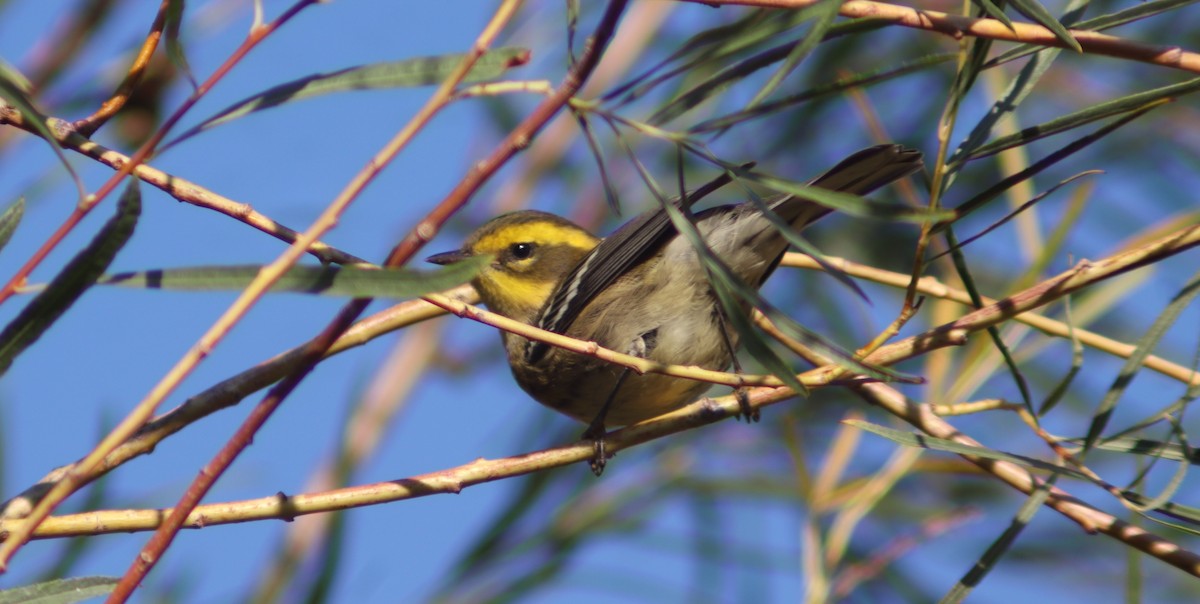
column 107, row 353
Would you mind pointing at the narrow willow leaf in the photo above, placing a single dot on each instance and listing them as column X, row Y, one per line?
column 1101, row 23
column 846, row 203
column 60, row 591
column 990, row 9
column 76, row 277
column 1014, row 213
column 1125, row 104
column 1001, row 545
column 422, row 71
column 13, row 89
column 1182, row 512
column 10, row 219
column 964, row 274
column 994, row 191
column 1133, row 364
column 324, row 280
column 1020, row 87
column 709, row 50
column 610, row 191
column 1176, row 481
column 837, row 87
column 1037, row 12
column 826, row 11
column 1060, row 390
column 175, row 49
column 912, row 439
column 1144, row 446
column 727, row 76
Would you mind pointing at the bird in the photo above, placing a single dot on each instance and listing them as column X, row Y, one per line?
column 641, row 291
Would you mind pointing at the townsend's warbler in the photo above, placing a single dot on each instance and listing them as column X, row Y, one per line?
column 641, row 291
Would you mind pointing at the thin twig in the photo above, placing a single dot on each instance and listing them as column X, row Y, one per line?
column 141, row 64
column 316, row 349
column 70, row 483
column 956, row 27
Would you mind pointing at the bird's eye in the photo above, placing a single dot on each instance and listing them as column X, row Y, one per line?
column 521, row 251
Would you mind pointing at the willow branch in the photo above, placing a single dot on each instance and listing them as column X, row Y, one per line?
column 957, row 26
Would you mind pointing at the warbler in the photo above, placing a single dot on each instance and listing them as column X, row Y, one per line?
column 641, row 291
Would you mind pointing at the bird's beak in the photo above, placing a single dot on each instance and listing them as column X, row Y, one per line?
column 445, row 258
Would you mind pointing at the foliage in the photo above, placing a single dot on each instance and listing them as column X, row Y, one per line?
column 1068, row 380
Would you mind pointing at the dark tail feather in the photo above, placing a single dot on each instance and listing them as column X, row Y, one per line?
column 871, row 168
column 861, row 173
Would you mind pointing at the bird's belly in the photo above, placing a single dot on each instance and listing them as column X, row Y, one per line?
column 580, row 384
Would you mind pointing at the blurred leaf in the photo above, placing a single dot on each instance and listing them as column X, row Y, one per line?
column 853, row 205
column 1188, row 514
column 913, row 439
column 1014, row 213
column 1101, row 23
column 993, row 331
column 76, row 277
column 1126, row 104
column 60, row 591
column 993, row 192
column 710, row 50
column 836, row 87
column 1002, row 544
column 14, row 88
column 175, row 50
column 610, row 191
column 1019, row 88
column 1133, row 364
column 826, row 11
column 1052, row 399
column 423, row 71
column 1144, row 446
column 325, row 280
column 10, row 219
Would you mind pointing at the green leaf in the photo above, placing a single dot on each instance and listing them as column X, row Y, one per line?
column 14, row 89
column 1144, row 446
column 76, row 277
column 826, row 11
column 10, row 219
column 59, row 591
column 1133, row 364
column 324, row 280
column 1018, row 89
column 711, row 50
column 175, row 50
column 912, row 439
column 993, row 11
column 1125, row 104
column 836, row 87
column 1037, row 12
column 993, row 192
column 1128, row 15
column 846, row 203
column 421, row 71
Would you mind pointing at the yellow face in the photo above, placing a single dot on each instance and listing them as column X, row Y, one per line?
column 531, row 252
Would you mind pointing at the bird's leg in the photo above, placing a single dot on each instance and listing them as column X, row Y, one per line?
column 595, row 431
column 750, row 413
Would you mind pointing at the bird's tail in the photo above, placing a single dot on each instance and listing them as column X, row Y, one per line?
column 860, row 173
